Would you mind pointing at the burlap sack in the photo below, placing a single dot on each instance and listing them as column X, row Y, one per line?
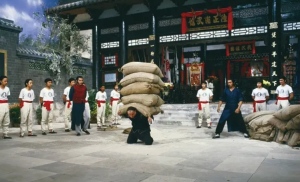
column 294, row 123
column 145, row 99
column 254, row 115
column 260, row 122
column 135, row 67
column 267, row 130
column 288, row 113
column 280, row 136
column 295, row 139
column 141, row 88
column 144, row 110
column 141, row 77
column 262, row 137
column 287, row 136
column 278, row 123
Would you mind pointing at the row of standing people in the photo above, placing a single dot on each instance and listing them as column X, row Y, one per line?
column 27, row 96
column 234, row 100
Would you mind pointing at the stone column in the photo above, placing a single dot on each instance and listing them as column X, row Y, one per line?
column 274, row 44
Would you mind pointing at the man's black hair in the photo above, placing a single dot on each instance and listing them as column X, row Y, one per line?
column 77, row 78
column 48, row 80
column 283, row 77
column 131, row 109
column 2, row 77
column 71, row 79
column 203, row 83
column 259, row 81
column 233, row 81
column 27, row 81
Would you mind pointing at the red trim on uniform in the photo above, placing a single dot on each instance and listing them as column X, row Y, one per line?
column 281, row 98
column 47, row 105
column 117, row 60
column 254, row 104
column 22, row 103
column 202, row 102
column 69, row 104
column 112, row 99
column 100, row 102
column 3, row 101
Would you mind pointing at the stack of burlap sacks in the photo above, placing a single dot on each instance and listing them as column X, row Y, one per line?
column 282, row 126
column 141, row 87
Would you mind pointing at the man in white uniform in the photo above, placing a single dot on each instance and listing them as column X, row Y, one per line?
column 4, row 108
column 68, row 105
column 114, row 99
column 46, row 100
column 260, row 95
column 101, row 103
column 284, row 94
column 26, row 98
column 204, row 95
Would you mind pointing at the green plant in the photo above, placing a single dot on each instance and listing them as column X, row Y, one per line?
column 15, row 114
column 108, row 111
column 39, row 115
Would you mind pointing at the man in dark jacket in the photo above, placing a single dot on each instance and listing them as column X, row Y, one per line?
column 140, row 127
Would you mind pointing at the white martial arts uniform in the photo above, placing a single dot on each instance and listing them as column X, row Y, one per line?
column 260, row 95
column 4, row 110
column 87, row 111
column 68, row 109
column 27, row 97
column 204, row 96
column 115, row 106
column 101, row 96
column 283, row 92
column 47, row 116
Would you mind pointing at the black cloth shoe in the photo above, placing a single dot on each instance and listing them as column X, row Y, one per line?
column 87, row 132
column 32, row 135
column 67, row 130
column 216, row 136
column 246, row 135
column 209, row 127
column 52, row 132
column 118, row 124
column 7, row 137
column 44, row 133
column 198, row 127
column 78, row 134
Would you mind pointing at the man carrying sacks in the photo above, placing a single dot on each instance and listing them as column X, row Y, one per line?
column 284, row 94
column 140, row 127
column 260, row 95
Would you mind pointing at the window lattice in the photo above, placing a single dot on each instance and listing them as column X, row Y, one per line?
column 249, row 31
column 110, row 30
column 107, row 45
column 291, row 26
column 174, row 38
column 110, row 60
column 137, row 42
column 169, row 22
column 209, row 34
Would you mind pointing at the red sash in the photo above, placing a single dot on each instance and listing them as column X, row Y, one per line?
column 3, row 101
column 100, row 102
column 281, row 98
column 202, row 102
column 47, row 105
column 69, row 104
column 254, row 104
column 112, row 99
column 86, row 101
column 22, row 103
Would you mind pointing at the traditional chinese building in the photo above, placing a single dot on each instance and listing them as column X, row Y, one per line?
column 192, row 40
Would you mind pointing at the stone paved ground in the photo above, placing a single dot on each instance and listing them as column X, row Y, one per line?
column 179, row 154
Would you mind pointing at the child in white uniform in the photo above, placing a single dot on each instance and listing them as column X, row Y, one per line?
column 114, row 99
column 284, row 94
column 101, row 106
column 4, row 108
column 68, row 105
column 260, row 95
column 26, row 98
column 204, row 95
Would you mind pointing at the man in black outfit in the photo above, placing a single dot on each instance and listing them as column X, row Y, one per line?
column 140, row 127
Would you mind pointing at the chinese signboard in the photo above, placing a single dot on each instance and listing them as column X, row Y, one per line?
column 240, row 48
column 207, row 20
column 274, row 57
column 152, row 48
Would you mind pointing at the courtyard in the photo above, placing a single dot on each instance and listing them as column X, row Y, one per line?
column 179, row 154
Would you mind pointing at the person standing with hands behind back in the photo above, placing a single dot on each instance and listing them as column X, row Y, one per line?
column 284, row 94
column 46, row 100
column 101, row 107
column 232, row 111
column 4, row 108
column 204, row 95
column 26, row 98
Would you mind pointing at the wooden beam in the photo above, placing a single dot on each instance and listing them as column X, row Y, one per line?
column 179, row 3
column 94, row 13
column 122, row 9
column 152, row 5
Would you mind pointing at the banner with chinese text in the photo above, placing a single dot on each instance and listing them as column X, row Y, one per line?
column 207, row 20
column 195, row 74
column 240, row 48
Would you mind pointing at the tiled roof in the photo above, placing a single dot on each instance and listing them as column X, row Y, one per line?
column 74, row 5
column 10, row 25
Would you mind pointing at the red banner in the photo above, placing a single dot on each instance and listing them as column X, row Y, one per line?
column 196, row 19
